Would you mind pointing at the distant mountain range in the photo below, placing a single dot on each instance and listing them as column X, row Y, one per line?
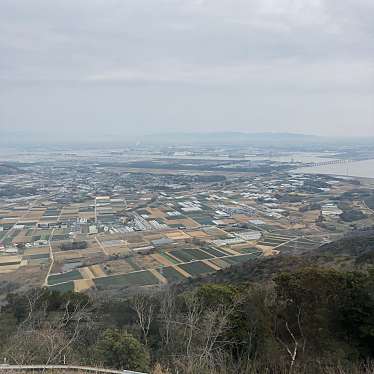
column 253, row 139
column 257, row 139
column 228, row 138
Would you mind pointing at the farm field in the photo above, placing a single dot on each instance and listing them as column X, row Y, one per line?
column 171, row 274
column 164, row 227
column 139, row 278
column 64, row 277
column 196, row 268
column 63, row 287
column 190, row 254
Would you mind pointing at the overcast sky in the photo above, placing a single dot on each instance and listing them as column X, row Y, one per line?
column 108, row 68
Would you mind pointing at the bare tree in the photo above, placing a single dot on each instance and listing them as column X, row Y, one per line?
column 167, row 313
column 202, row 334
column 293, row 347
column 46, row 339
column 145, row 312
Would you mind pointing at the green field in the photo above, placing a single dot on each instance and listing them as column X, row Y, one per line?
column 299, row 244
column 225, row 253
column 196, row 268
column 169, row 258
column 239, row 259
column 139, row 278
column 171, row 274
column 251, row 250
column 213, row 252
column 131, row 261
column 220, row 262
column 60, row 237
column 63, row 287
column 270, row 243
column 64, row 277
column 201, row 218
column 190, row 254
column 37, row 256
column 272, row 240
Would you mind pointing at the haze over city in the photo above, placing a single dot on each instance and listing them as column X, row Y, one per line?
column 109, row 69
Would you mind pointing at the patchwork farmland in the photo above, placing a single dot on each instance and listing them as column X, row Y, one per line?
column 147, row 236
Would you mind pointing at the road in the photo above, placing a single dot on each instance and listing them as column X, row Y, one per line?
column 101, row 246
column 51, row 257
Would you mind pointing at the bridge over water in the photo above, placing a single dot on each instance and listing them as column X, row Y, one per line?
column 332, row 162
column 335, row 162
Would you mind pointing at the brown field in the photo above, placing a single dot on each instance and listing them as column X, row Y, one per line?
column 86, row 273
column 311, row 216
column 6, row 259
column 241, row 218
column 161, row 278
column 150, row 237
column 161, row 260
column 35, row 275
column 177, row 235
column 33, row 216
column 83, row 285
column 103, row 236
column 75, row 255
column 117, row 249
column 97, row 271
column 9, row 268
column 135, row 238
column 147, row 261
column 156, row 213
column 67, row 211
column 119, row 266
column 198, row 234
column 138, row 245
column 181, row 271
column 36, row 251
column 187, row 222
column 266, row 250
column 13, row 213
column 211, row 264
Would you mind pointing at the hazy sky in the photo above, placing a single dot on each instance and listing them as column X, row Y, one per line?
column 115, row 67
